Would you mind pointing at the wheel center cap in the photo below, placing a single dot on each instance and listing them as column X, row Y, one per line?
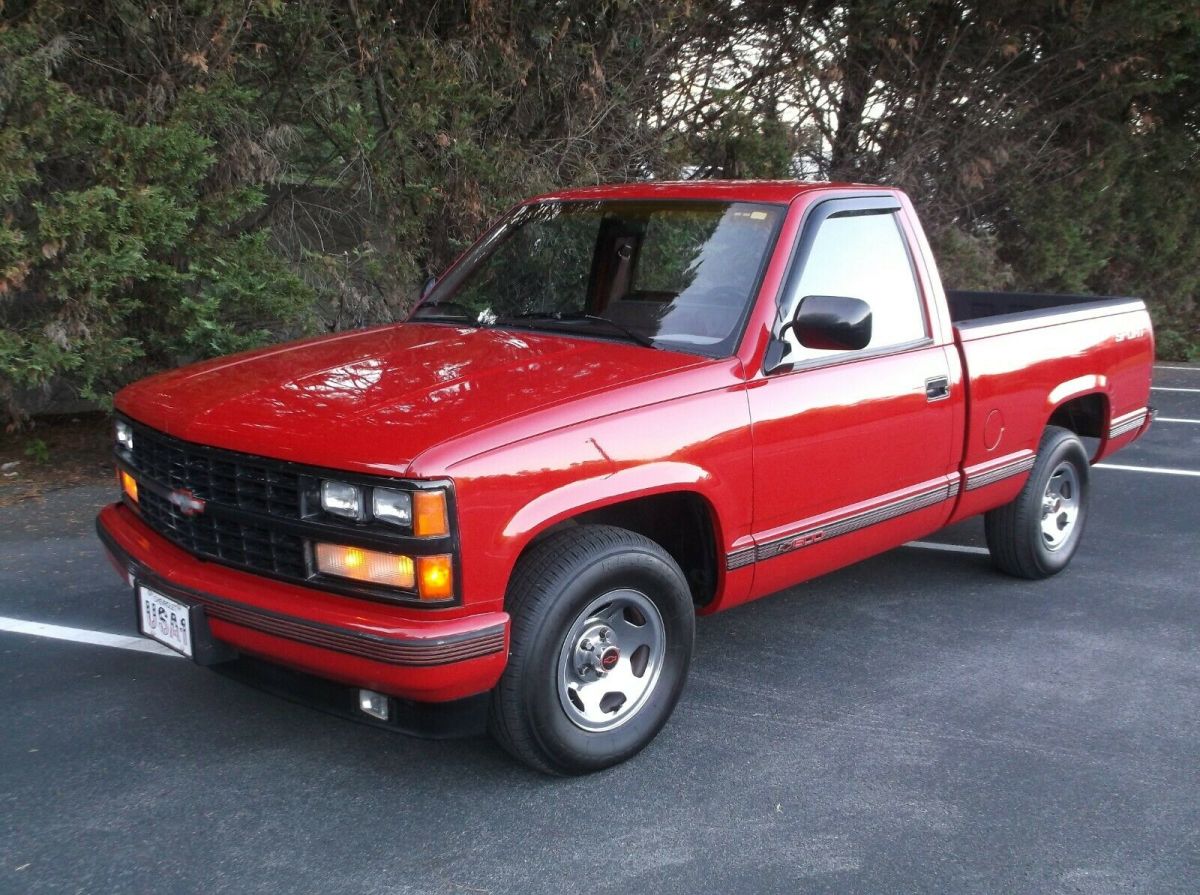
column 609, row 658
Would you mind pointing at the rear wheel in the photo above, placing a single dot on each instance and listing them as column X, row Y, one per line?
column 602, row 628
column 1037, row 534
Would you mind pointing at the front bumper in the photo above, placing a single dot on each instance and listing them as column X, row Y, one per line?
column 356, row 642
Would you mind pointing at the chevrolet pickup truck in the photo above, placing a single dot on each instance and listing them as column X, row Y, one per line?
column 623, row 407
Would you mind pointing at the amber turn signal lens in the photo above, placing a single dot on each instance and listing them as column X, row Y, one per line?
column 430, row 519
column 374, row 566
column 435, row 576
column 128, row 485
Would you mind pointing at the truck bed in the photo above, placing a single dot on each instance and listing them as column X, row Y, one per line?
column 967, row 307
column 1025, row 355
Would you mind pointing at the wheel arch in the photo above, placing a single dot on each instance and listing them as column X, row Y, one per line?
column 679, row 517
column 1086, row 414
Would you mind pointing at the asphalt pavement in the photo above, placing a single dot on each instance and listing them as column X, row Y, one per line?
column 915, row 723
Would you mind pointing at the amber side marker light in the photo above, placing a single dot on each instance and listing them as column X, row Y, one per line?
column 435, row 577
column 128, row 485
column 374, row 566
column 430, row 519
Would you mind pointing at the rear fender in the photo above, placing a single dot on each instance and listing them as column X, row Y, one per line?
column 1089, row 386
column 1079, row 387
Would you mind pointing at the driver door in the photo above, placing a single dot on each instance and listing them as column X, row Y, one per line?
column 854, row 450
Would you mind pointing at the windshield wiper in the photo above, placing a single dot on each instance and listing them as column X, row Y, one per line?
column 575, row 316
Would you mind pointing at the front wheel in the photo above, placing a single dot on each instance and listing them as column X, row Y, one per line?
column 1036, row 534
column 602, row 629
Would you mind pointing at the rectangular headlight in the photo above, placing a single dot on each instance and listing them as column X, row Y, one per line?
column 343, row 499
column 359, row 564
column 391, row 506
column 124, row 434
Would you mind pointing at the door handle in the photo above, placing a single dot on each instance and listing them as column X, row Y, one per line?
column 937, row 388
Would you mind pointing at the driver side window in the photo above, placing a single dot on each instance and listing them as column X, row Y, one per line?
column 863, row 256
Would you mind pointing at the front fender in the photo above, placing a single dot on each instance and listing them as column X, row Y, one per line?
column 507, row 496
column 593, row 493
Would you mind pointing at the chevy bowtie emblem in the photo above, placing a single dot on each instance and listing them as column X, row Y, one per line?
column 187, row 502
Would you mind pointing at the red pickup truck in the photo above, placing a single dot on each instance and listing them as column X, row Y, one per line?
column 622, row 407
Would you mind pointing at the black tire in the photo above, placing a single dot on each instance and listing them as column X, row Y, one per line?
column 1015, row 535
column 560, row 578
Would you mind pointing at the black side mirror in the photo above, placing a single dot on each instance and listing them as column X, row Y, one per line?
column 428, row 287
column 832, row 323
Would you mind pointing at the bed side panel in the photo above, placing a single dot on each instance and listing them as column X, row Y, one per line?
column 1018, row 375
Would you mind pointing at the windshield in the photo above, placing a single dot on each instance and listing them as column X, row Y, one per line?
column 676, row 275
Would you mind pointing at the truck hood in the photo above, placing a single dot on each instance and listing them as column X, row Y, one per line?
column 373, row 400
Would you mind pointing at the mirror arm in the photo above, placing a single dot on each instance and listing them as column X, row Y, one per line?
column 777, row 350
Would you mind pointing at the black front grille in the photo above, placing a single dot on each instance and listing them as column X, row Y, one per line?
column 258, row 514
column 223, row 477
column 240, row 543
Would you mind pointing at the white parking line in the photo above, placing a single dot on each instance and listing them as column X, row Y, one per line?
column 82, row 635
column 1164, row 388
column 951, row 548
column 1175, row 419
column 1188, row 369
column 1158, row 470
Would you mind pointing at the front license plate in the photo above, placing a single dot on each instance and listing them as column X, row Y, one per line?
column 167, row 621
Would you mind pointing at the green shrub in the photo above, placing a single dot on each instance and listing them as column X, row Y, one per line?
column 125, row 244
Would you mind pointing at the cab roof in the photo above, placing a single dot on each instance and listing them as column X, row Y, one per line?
column 777, row 191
